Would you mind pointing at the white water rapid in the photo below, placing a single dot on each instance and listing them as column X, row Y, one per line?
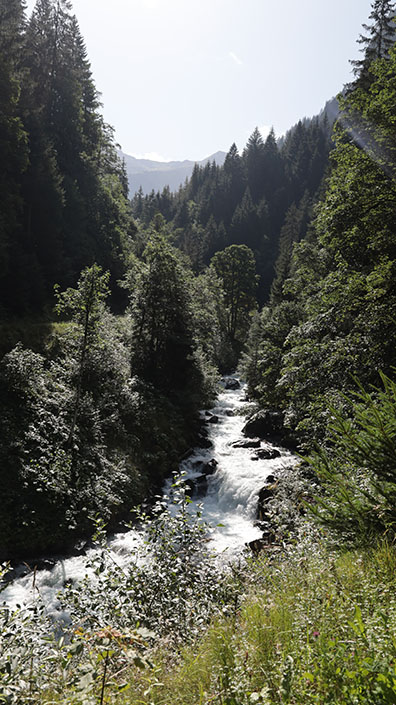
column 230, row 500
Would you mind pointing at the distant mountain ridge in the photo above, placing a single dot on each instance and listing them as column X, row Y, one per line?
column 156, row 175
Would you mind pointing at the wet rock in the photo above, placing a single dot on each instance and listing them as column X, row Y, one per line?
column 253, row 443
column 267, row 453
column 231, row 383
column 266, row 493
column 213, row 419
column 203, row 442
column 263, row 424
column 229, row 412
column 256, row 546
column 254, row 457
column 265, row 542
column 210, row 467
column 196, row 486
column 189, row 487
column 207, row 468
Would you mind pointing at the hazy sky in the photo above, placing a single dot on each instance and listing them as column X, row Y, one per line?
column 182, row 79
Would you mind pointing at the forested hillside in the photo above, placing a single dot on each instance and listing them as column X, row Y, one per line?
column 95, row 409
column 270, row 186
column 331, row 313
column 117, row 319
column 64, row 190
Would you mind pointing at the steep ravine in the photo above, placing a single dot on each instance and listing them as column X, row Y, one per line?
column 224, row 479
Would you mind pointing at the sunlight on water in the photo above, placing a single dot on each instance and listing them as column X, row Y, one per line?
column 231, row 500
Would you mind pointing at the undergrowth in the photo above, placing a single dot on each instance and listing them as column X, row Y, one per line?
column 309, row 626
column 311, row 629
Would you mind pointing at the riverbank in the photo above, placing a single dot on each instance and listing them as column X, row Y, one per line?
column 312, row 627
column 309, row 625
column 223, row 477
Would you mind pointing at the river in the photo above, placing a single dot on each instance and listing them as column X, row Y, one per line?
column 229, row 503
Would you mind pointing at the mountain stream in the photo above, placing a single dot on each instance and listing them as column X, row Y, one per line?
column 228, row 498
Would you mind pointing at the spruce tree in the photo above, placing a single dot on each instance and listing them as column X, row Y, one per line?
column 13, row 145
column 379, row 38
column 253, row 157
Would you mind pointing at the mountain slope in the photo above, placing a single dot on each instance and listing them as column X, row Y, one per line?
column 155, row 175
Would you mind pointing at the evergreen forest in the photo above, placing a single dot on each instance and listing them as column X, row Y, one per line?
column 118, row 319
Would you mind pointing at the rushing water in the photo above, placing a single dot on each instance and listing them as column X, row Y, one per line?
column 230, row 500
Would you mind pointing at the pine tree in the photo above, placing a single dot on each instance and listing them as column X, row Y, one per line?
column 162, row 339
column 13, row 145
column 245, row 225
column 273, row 169
column 75, row 189
column 253, row 157
column 376, row 43
column 234, row 182
column 293, row 230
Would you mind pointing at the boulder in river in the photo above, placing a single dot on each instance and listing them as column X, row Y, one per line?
column 213, row 419
column 266, row 493
column 196, row 486
column 231, row 383
column 263, row 424
column 207, row 468
column 267, row 453
column 253, row 443
column 210, row 467
column 265, row 542
column 203, row 442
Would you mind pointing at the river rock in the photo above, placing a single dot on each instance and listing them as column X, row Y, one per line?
column 266, row 493
column 210, row 467
column 196, row 486
column 203, row 442
column 206, row 468
column 231, row 383
column 213, row 419
column 229, row 412
column 253, row 443
column 267, row 453
column 263, row 424
column 256, row 546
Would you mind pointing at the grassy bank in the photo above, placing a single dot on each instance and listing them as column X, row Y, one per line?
column 316, row 627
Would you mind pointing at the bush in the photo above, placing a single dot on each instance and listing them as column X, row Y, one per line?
column 358, row 473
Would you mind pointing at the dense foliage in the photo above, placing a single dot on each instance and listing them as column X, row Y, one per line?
column 248, row 199
column 96, row 409
column 106, row 409
column 64, row 191
column 333, row 315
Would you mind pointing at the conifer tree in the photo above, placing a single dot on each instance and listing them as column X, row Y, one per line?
column 162, row 339
column 273, row 169
column 253, row 157
column 379, row 37
column 13, row 143
column 234, row 182
column 293, row 230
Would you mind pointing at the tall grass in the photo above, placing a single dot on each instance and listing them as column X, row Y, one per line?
column 315, row 629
